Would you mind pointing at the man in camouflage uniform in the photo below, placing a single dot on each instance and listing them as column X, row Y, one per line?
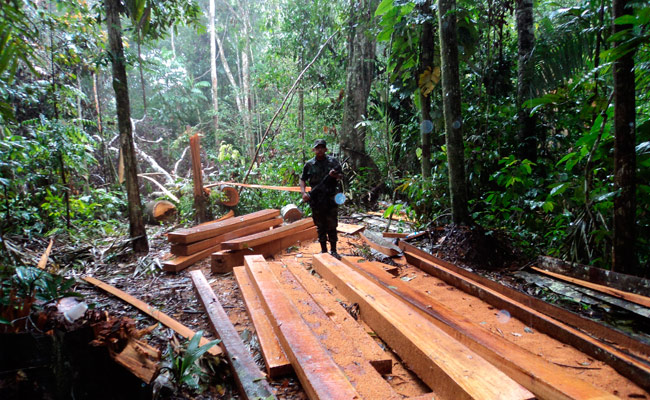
column 323, row 173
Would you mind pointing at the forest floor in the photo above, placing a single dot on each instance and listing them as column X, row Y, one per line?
column 493, row 257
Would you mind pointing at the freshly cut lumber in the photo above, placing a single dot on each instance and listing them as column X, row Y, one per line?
column 544, row 379
column 343, row 349
column 180, row 263
column 230, row 196
column 224, row 261
column 275, row 360
column 227, row 215
column 152, row 312
column 319, row 375
column 257, row 239
column 614, row 280
column 378, row 358
column 188, row 249
column 349, row 229
column 191, row 235
column 291, row 213
column 380, row 244
column 628, row 366
column 448, row 367
column 392, row 235
column 159, row 211
column 250, row 185
column 632, row 297
column 250, row 380
column 140, row 358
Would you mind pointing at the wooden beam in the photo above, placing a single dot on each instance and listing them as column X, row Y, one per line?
column 319, row 375
column 180, row 263
column 152, row 312
column 393, row 235
column 227, row 215
column 343, row 349
column 260, row 238
column 188, row 249
column 251, row 382
column 632, row 297
column 439, row 360
column 544, row 379
column 250, row 185
column 349, row 229
column 201, row 232
column 225, row 261
column 275, row 360
column 592, row 328
column 377, row 357
column 615, row 280
column 628, row 366
column 380, row 244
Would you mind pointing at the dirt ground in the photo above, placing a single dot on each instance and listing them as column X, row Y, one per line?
column 174, row 295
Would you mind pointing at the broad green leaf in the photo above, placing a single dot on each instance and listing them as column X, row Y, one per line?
column 384, row 7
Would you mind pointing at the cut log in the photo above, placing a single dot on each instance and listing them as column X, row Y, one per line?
column 152, row 312
column 225, row 261
column 191, row 235
column 140, row 358
column 545, row 380
column 192, row 248
column 349, row 229
column 181, row 262
column 633, row 369
column 230, row 196
column 378, row 358
column 446, row 366
column 275, row 360
column 380, row 244
column 291, row 213
column 319, row 375
column 159, row 211
column 250, row 380
column 267, row 236
column 632, row 297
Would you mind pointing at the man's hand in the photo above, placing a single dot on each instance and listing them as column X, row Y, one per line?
column 336, row 174
column 306, row 197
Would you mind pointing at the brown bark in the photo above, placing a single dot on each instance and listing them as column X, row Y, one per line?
column 200, row 205
column 527, row 136
column 426, row 60
column 453, row 118
column 136, row 222
column 624, row 257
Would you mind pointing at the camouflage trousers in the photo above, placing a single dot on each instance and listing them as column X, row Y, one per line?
column 326, row 221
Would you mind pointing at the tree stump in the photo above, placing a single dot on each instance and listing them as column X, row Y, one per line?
column 291, row 213
column 159, row 211
column 230, row 196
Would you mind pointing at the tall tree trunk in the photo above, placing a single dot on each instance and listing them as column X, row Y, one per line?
column 136, row 223
column 624, row 257
column 360, row 73
column 144, row 89
column 248, row 123
column 107, row 165
column 453, row 119
column 525, row 73
column 213, row 73
column 426, row 61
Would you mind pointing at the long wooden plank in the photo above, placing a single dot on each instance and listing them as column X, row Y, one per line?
column 349, row 229
column 630, row 367
column 260, row 238
column 191, row 235
column 632, row 297
column 254, row 186
column 152, row 312
column 544, row 379
column 320, row 376
column 448, row 367
column 250, row 380
column 593, row 328
column 180, row 263
column 615, row 280
column 225, row 261
column 188, row 249
column 378, row 358
column 275, row 360
column 227, row 215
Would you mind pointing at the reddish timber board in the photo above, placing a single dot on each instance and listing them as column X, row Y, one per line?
column 250, row 380
column 275, row 360
column 225, row 261
column 451, row 369
column 260, row 238
column 191, row 235
column 180, row 263
column 188, row 249
column 319, row 375
column 628, row 366
column 544, row 379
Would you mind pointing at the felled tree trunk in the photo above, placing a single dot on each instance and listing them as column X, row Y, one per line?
column 159, row 211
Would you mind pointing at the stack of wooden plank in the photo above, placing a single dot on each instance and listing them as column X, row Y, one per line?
column 191, row 245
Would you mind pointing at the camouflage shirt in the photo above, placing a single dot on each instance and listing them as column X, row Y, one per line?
column 315, row 171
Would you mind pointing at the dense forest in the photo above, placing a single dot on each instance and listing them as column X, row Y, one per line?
column 520, row 118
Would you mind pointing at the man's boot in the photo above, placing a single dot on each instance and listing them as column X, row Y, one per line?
column 323, row 247
column 333, row 251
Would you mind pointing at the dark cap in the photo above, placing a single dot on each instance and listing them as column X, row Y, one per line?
column 319, row 142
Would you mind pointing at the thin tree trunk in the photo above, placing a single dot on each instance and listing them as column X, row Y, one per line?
column 453, row 118
column 528, row 140
column 213, row 74
column 624, row 257
column 231, row 77
column 107, row 164
column 144, row 90
column 250, row 135
column 426, row 61
column 301, row 111
column 136, row 222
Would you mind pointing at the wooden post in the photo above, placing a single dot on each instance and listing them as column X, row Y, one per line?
column 199, row 199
